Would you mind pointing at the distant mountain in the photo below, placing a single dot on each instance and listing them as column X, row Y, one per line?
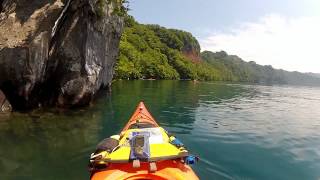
column 317, row 75
column 152, row 51
column 243, row 71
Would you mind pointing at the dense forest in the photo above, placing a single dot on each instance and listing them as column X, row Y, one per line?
column 155, row 52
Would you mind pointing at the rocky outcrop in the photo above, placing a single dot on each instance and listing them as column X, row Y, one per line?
column 191, row 47
column 55, row 52
column 192, row 55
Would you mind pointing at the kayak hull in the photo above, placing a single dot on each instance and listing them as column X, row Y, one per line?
column 166, row 170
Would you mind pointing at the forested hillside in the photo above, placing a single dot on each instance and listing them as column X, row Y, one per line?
column 155, row 52
column 151, row 51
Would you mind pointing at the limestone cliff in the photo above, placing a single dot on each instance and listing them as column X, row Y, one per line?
column 57, row 52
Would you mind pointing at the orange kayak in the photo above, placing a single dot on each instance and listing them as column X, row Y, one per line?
column 143, row 150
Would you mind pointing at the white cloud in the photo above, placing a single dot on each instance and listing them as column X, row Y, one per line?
column 288, row 43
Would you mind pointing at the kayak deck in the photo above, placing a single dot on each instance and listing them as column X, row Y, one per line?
column 140, row 116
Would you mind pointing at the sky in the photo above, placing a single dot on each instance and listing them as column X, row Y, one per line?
column 281, row 33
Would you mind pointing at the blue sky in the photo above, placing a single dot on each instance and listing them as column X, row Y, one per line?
column 200, row 16
column 227, row 25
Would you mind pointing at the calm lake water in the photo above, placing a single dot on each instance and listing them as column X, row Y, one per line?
column 239, row 131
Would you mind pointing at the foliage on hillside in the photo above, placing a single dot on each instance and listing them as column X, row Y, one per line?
column 152, row 51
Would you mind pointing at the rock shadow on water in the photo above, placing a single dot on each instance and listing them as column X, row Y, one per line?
column 45, row 145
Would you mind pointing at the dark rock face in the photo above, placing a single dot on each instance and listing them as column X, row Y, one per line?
column 57, row 53
column 5, row 106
